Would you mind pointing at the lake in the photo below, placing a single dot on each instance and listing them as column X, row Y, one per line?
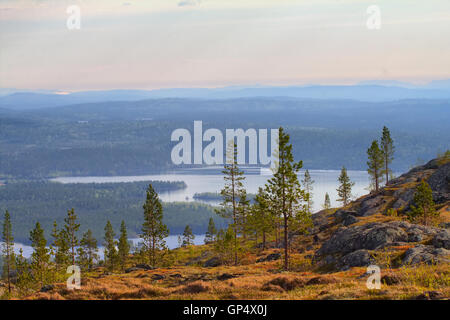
column 171, row 242
column 211, row 180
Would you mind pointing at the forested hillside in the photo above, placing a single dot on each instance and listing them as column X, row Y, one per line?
column 94, row 204
column 130, row 138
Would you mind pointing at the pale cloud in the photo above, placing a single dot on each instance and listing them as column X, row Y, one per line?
column 185, row 3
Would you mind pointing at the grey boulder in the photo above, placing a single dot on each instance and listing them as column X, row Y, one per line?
column 442, row 240
column 425, row 254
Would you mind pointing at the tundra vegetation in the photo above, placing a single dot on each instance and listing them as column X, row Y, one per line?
column 271, row 248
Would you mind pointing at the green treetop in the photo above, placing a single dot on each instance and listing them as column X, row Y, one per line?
column 424, row 209
column 375, row 164
column 124, row 245
column 8, row 250
column 387, row 149
column 110, row 246
column 188, row 237
column 345, row 187
column 153, row 230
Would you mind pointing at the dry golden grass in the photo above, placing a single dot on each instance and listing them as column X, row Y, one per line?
column 256, row 282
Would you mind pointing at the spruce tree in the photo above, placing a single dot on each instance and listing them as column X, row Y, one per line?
column 233, row 191
column 124, row 245
column 153, row 230
column 387, row 149
column 8, row 250
column 211, row 232
column 224, row 244
column 327, row 202
column 345, row 187
column 188, row 237
column 88, row 250
column 71, row 229
column 375, row 164
column 40, row 258
column 285, row 193
column 61, row 247
column 424, row 209
column 261, row 219
column 24, row 278
column 243, row 210
column 308, row 186
column 110, row 246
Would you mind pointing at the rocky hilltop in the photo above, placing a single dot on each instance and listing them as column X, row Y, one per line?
column 352, row 236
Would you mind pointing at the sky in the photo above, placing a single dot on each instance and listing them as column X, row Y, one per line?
column 150, row 44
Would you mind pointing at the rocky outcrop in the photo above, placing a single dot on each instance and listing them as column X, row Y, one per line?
column 47, row 288
column 403, row 198
column 349, row 247
column 374, row 236
column 399, row 194
column 425, row 254
column 157, row 277
column 346, row 242
column 372, row 205
column 442, row 240
column 358, row 258
column 139, row 267
column 439, row 182
column 270, row 257
column 349, row 220
column 226, row 276
column 213, row 262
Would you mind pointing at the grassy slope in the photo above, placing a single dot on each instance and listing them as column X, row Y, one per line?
column 255, row 281
column 187, row 279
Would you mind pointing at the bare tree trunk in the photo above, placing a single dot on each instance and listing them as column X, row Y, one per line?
column 234, row 216
column 264, row 240
column 286, row 249
column 8, row 265
column 387, row 170
column 376, row 178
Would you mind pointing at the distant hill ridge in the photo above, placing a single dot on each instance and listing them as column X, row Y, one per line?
column 367, row 91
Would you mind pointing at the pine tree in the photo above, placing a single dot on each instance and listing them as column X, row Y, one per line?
column 375, row 164
column 424, row 209
column 211, row 232
column 261, row 220
column 387, row 149
column 40, row 258
column 188, row 237
column 308, row 186
column 71, row 229
column 327, row 202
column 124, row 245
column 61, row 247
column 285, row 194
column 243, row 210
column 24, row 278
column 232, row 193
column 8, row 249
column 224, row 244
column 153, row 230
column 110, row 246
column 87, row 253
column 345, row 187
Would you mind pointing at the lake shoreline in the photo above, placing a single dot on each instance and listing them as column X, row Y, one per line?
column 171, row 242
